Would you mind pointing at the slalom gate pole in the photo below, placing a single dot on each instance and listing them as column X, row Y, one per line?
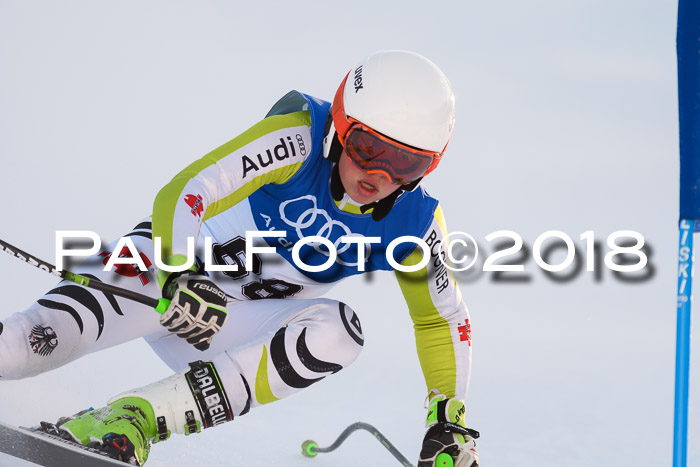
column 688, row 52
column 160, row 305
column 685, row 284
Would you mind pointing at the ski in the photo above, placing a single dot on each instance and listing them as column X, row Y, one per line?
column 50, row 451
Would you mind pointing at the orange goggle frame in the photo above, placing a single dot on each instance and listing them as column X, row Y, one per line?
column 376, row 153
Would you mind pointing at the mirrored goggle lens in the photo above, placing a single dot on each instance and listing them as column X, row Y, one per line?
column 371, row 152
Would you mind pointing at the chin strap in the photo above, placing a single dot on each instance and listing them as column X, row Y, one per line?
column 332, row 149
column 337, row 188
column 381, row 208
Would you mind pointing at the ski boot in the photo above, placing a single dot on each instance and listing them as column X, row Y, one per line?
column 184, row 403
column 123, row 430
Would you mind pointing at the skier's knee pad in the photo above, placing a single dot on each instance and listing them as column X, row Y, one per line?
column 336, row 336
column 318, row 341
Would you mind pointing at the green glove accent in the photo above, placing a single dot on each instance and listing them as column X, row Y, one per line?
column 176, row 260
column 447, row 439
column 454, row 410
column 163, row 304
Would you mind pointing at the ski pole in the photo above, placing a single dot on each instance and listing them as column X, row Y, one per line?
column 160, row 304
column 310, row 448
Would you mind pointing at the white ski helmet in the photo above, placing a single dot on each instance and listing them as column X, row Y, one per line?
column 400, row 95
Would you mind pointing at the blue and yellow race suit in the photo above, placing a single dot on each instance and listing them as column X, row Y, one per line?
column 273, row 177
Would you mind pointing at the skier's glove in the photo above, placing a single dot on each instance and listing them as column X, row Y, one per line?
column 197, row 309
column 447, row 433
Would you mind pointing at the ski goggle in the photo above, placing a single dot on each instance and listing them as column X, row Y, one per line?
column 375, row 153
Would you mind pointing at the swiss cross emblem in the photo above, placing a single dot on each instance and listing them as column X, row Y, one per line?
column 465, row 333
column 195, row 202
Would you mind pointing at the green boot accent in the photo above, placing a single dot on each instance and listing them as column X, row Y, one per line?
column 106, row 428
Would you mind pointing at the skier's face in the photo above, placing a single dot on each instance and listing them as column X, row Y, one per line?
column 362, row 187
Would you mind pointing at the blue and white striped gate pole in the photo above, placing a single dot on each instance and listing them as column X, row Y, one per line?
column 688, row 50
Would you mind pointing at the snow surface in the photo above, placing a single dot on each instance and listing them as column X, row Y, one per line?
column 566, row 120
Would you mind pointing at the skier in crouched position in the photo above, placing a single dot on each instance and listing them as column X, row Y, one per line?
column 350, row 170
